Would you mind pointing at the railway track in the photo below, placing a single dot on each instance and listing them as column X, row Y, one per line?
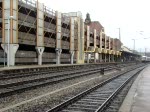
column 24, row 73
column 10, row 74
column 13, row 83
column 39, row 71
column 100, row 97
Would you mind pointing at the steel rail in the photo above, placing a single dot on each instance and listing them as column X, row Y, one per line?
column 12, row 88
column 35, row 73
column 103, row 107
column 84, row 93
column 51, row 76
column 31, row 73
column 21, row 75
column 36, row 83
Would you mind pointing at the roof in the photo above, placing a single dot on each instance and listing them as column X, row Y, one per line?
column 95, row 25
column 124, row 48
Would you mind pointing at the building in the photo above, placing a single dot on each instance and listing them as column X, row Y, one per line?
column 38, row 34
column 98, row 45
column 31, row 33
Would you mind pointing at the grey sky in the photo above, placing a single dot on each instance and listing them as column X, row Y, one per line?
column 132, row 16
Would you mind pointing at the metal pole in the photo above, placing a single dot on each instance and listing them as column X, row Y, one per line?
column 8, row 43
column 119, row 34
column 134, row 44
column 4, row 54
column 145, row 51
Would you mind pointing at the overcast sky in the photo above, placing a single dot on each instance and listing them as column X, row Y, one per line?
column 131, row 16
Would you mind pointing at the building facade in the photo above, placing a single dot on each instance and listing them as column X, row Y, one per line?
column 31, row 33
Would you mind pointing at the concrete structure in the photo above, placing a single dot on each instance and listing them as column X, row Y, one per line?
column 101, row 47
column 39, row 34
column 58, row 37
column 78, row 36
column 10, row 31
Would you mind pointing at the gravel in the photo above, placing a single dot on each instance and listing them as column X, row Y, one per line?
column 54, row 94
column 38, row 76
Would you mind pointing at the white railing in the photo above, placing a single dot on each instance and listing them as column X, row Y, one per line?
column 49, row 11
column 29, row 2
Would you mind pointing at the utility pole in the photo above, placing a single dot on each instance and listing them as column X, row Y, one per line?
column 145, row 51
column 119, row 35
column 133, row 44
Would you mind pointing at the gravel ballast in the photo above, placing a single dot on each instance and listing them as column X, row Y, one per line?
column 51, row 95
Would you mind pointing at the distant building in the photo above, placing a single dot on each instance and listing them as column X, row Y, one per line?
column 96, row 25
column 124, row 48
